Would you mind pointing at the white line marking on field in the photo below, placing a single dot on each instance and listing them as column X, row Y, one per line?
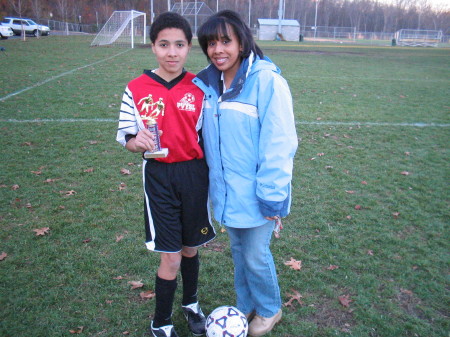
column 63, row 120
column 110, row 120
column 58, row 76
column 418, row 124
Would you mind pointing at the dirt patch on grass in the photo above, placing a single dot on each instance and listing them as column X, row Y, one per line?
column 327, row 315
column 410, row 303
column 215, row 246
column 312, row 52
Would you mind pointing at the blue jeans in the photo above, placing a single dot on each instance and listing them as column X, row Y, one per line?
column 255, row 277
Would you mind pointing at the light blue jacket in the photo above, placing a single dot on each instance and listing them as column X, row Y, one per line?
column 250, row 142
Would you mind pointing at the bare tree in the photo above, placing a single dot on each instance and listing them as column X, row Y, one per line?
column 19, row 7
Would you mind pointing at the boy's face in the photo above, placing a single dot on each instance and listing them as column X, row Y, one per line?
column 171, row 49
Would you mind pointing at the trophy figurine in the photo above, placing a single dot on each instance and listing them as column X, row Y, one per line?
column 150, row 120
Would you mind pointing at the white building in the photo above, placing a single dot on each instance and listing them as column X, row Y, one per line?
column 268, row 29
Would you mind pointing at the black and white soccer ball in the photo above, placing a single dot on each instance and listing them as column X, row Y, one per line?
column 226, row 321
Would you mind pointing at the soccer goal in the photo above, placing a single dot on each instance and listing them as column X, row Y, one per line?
column 123, row 28
column 418, row 37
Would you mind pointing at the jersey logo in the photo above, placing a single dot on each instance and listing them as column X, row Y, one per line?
column 186, row 103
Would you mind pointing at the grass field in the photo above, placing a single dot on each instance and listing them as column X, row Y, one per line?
column 370, row 216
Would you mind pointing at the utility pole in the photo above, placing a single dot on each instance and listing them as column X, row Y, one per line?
column 315, row 20
column 281, row 9
column 249, row 13
column 151, row 12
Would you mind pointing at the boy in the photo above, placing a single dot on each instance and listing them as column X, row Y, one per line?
column 176, row 186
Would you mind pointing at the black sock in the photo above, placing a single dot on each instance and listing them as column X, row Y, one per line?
column 189, row 272
column 165, row 294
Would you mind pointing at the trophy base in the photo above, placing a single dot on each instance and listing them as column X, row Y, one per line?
column 157, row 154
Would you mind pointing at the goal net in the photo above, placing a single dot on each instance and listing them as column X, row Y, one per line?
column 123, row 28
column 326, row 33
column 418, row 37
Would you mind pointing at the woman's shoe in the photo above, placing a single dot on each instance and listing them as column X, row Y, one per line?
column 262, row 325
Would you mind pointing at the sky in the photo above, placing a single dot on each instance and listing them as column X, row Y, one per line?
column 437, row 4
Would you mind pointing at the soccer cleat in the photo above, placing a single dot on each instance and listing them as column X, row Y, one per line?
column 195, row 318
column 164, row 331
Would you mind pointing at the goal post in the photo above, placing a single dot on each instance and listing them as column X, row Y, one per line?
column 123, row 28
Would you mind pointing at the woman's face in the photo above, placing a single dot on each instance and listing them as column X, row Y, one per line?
column 225, row 52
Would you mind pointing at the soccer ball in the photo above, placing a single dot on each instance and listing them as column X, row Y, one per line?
column 226, row 321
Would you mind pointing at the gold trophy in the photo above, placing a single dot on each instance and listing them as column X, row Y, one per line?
column 150, row 119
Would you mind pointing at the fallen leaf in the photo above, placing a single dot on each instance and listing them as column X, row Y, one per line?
column 296, row 265
column 294, row 297
column 147, row 295
column 93, row 142
column 406, row 291
column 358, row 207
column 395, row 215
column 136, row 284
column 122, row 186
column 125, row 171
column 3, row 256
column 15, row 187
column 332, row 267
column 49, row 180
column 321, row 154
column 78, row 330
column 89, row 170
column 345, row 300
column 119, row 237
column 350, row 192
column 405, row 173
column 408, row 153
column 41, row 231
column 67, row 193
column 86, row 240
column 370, row 252
column 364, row 182
column 349, row 217
column 36, row 172
column 118, row 278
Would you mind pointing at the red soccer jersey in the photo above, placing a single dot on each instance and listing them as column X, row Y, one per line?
column 177, row 110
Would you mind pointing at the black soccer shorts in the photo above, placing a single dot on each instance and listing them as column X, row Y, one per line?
column 176, row 205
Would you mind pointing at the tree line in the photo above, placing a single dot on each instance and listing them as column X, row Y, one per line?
column 365, row 15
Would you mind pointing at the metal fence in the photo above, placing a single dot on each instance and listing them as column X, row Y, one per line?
column 322, row 33
column 69, row 28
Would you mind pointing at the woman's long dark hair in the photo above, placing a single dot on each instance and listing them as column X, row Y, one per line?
column 216, row 27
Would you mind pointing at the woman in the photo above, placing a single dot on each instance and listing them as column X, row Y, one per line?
column 250, row 141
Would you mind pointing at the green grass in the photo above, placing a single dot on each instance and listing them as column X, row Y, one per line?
column 355, row 109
